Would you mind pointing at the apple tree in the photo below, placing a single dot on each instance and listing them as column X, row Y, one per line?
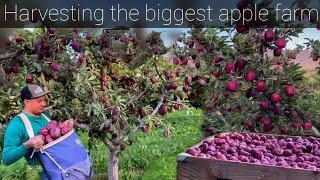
column 113, row 83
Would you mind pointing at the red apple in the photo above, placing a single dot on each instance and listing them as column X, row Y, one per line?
column 188, row 80
column 174, row 86
column 7, row 70
column 259, row 118
column 268, row 35
column 217, row 58
column 173, row 75
column 252, row 92
column 267, row 125
column 264, row 105
column 241, row 28
column 225, row 94
column 177, row 106
column 175, row 61
column 250, row 76
column 261, row 86
column 166, row 133
column 178, row 73
column 19, row 38
column 109, row 53
column 55, row 67
column 216, row 73
column 184, row 61
column 197, row 65
column 240, row 64
column 52, row 30
column 153, row 79
column 228, row 108
column 191, row 43
column 307, row 125
column 277, row 52
column 294, row 113
column 232, row 85
column 200, row 48
column 275, row 97
column 168, row 86
column 239, row 107
column 145, row 128
column 56, row 77
column 81, row 60
column 315, row 57
column 163, row 110
column 229, row 67
column 281, row 43
column 202, row 82
column 290, row 91
column 103, row 78
column 171, row 85
column 75, row 45
column 293, row 56
column 167, row 74
column 297, row 125
column 15, row 69
column 186, row 88
column 104, row 87
column 29, row 78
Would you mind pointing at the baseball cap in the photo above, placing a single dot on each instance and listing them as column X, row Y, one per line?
column 32, row 91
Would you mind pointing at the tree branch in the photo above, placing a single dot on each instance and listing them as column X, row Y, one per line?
column 159, row 74
column 43, row 78
column 134, row 98
column 82, row 126
column 221, row 117
column 158, row 106
column 261, row 52
column 315, row 132
column 160, row 102
column 7, row 55
column 110, row 145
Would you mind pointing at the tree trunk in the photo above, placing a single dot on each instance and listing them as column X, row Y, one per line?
column 113, row 169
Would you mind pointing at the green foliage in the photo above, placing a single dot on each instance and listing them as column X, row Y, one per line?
column 310, row 102
column 164, row 168
column 154, row 145
column 19, row 170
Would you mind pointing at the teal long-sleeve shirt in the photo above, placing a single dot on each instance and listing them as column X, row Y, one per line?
column 16, row 134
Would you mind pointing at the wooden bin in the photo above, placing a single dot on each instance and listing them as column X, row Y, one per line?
column 195, row 168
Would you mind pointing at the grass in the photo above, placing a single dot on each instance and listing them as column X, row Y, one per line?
column 151, row 156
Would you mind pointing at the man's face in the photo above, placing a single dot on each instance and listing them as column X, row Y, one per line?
column 36, row 105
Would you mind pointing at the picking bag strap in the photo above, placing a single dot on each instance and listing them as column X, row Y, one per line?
column 27, row 124
column 46, row 117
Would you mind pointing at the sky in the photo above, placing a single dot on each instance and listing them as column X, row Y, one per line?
column 311, row 33
column 167, row 33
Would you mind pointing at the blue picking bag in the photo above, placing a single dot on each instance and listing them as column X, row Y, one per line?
column 66, row 158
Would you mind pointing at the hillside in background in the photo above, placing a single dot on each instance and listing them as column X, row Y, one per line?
column 305, row 60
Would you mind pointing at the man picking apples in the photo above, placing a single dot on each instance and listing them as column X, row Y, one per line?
column 16, row 139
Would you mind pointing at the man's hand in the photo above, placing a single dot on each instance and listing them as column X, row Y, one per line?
column 34, row 143
column 69, row 122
